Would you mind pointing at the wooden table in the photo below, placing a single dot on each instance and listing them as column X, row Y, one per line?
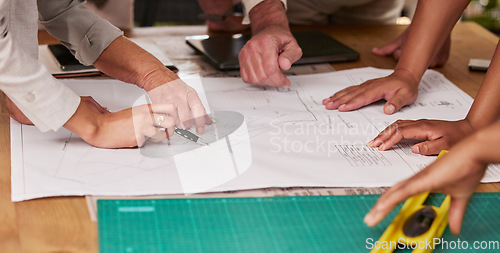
column 62, row 224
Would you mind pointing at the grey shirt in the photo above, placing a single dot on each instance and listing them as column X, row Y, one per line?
column 45, row 101
column 77, row 27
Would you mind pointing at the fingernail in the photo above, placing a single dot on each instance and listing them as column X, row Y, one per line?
column 368, row 220
column 370, row 144
column 382, row 146
column 390, row 109
column 199, row 130
column 415, row 149
column 341, row 106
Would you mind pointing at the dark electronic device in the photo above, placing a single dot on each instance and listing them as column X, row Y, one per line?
column 222, row 50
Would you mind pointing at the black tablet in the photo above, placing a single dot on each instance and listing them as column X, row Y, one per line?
column 66, row 60
column 222, row 50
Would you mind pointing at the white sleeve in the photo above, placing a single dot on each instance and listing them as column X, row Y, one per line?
column 249, row 4
column 45, row 101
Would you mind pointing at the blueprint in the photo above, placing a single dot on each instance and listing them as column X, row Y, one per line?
column 289, row 140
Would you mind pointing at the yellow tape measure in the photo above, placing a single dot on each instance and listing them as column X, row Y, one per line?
column 416, row 226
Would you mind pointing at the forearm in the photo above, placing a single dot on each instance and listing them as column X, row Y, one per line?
column 432, row 21
column 268, row 13
column 216, row 7
column 483, row 145
column 486, row 107
column 126, row 61
column 220, row 16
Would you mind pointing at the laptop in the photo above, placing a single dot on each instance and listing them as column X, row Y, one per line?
column 222, row 50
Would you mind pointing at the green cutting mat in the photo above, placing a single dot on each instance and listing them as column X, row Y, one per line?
column 276, row 224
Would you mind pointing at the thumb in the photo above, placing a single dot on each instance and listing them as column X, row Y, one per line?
column 397, row 54
column 430, row 147
column 290, row 55
column 456, row 213
column 398, row 100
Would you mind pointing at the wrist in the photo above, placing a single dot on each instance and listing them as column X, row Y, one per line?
column 156, row 77
column 476, row 145
column 483, row 145
column 466, row 126
column 407, row 76
column 268, row 13
column 231, row 24
column 84, row 122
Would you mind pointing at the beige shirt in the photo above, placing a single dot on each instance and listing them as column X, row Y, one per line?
column 309, row 12
column 45, row 101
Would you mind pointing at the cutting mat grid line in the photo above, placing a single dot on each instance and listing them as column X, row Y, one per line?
column 274, row 224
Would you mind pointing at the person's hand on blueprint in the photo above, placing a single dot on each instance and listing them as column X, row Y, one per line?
column 457, row 173
column 398, row 89
column 272, row 47
column 394, row 49
column 428, row 32
column 127, row 128
column 139, row 67
column 101, row 128
column 188, row 105
column 436, row 135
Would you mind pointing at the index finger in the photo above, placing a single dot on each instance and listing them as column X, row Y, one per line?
column 198, row 112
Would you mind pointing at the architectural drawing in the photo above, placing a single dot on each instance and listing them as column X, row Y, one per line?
column 294, row 142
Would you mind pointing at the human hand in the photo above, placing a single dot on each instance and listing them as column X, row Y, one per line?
column 457, row 174
column 436, row 134
column 268, row 52
column 187, row 103
column 398, row 89
column 127, row 128
column 394, row 48
column 139, row 67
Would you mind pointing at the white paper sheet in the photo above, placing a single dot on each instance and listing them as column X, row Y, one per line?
column 294, row 140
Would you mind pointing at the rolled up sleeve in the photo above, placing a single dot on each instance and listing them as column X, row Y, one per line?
column 78, row 28
column 45, row 101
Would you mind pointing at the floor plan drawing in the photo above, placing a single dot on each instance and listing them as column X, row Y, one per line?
column 293, row 142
